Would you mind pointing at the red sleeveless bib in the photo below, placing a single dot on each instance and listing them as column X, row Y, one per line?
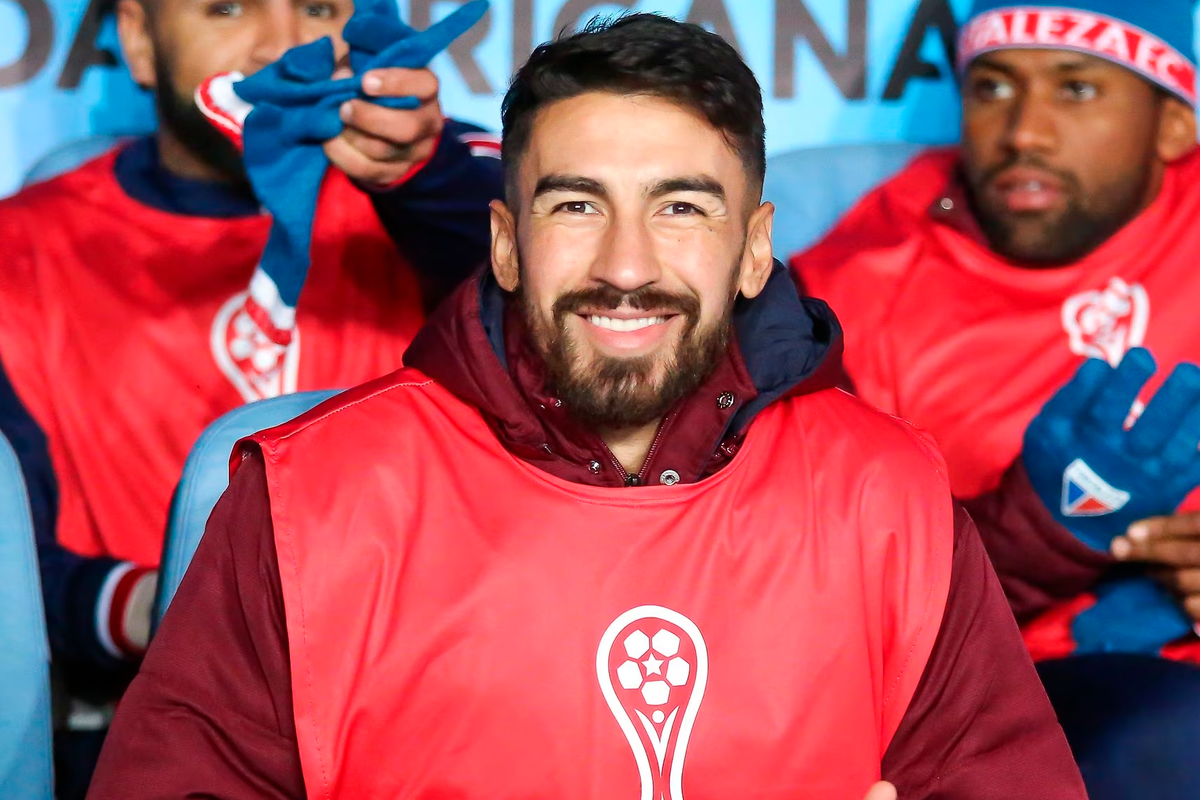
column 463, row 625
column 120, row 323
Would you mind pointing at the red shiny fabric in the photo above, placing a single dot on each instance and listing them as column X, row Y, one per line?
column 453, row 613
column 111, row 334
column 969, row 346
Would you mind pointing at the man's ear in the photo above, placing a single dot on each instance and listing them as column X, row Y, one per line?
column 758, row 257
column 137, row 41
column 505, row 264
column 1176, row 130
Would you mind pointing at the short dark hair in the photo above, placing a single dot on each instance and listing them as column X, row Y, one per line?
column 641, row 54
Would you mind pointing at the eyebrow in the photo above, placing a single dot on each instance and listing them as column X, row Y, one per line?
column 569, row 183
column 578, row 183
column 699, row 183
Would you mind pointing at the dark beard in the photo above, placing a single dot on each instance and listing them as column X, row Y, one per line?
column 179, row 115
column 620, row 393
column 1071, row 235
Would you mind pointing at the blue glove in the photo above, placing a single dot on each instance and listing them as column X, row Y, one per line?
column 1095, row 476
column 295, row 111
column 1131, row 615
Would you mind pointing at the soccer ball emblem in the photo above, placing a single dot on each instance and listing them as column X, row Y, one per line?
column 654, row 667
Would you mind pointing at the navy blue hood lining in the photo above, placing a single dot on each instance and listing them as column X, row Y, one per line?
column 786, row 341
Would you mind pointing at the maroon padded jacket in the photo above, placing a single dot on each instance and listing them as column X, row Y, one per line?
column 210, row 714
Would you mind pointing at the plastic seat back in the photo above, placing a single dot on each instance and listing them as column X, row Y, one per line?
column 26, row 765
column 205, row 477
column 813, row 188
column 68, row 157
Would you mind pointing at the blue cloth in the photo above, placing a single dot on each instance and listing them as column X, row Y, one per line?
column 1131, row 615
column 1133, row 723
column 1097, row 477
column 296, row 111
column 1169, row 20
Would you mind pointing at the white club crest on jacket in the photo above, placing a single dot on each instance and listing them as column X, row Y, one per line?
column 255, row 341
column 1107, row 323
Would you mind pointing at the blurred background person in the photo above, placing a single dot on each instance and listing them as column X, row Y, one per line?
column 127, row 329
column 973, row 285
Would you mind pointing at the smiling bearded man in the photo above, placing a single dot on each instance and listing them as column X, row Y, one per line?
column 613, row 533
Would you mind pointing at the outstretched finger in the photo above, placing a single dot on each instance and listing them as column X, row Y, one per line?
column 1177, row 553
column 1173, row 526
column 1079, row 392
column 1170, row 404
column 399, row 82
column 1116, row 397
column 1181, row 450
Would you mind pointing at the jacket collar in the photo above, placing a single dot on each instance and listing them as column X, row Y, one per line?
column 475, row 346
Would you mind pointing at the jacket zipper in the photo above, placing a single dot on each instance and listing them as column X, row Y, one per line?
column 639, row 479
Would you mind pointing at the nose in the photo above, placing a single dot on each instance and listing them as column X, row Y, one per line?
column 1032, row 127
column 278, row 32
column 626, row 259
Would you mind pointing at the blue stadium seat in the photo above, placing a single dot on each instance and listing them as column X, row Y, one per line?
column 205, row 477
column 26, row 766
column 812, row 188
column 69, row 156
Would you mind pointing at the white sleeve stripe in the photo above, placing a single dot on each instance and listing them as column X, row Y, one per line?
column 480, row 140
column 104, row 608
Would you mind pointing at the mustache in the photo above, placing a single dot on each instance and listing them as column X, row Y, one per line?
column 1033, row 162
column 610, row 297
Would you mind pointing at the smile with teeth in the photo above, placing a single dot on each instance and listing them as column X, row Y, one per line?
column 624, row 325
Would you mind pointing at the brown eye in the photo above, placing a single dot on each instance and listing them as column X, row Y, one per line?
column 987, row 89
column 1080, row 91
column 230, row 10
column 320, row 11
column 576, row 207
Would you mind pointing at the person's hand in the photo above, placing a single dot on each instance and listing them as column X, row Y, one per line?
column 1172, row 542
column 1097, row 476
column 881, row 791
column 381, row 145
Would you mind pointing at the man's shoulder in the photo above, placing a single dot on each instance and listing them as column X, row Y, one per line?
column 888, row 216
column 871, row 443
column 76, row 187
column 858, row 265
column 389, row 403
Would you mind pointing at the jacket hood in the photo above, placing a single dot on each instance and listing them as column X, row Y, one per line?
column 783, row 345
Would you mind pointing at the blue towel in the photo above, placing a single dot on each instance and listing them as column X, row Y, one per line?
column 292, row 111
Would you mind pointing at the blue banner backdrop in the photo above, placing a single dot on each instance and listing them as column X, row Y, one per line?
column 833, row 71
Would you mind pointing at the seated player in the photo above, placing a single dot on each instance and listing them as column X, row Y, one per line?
column 613, row 532
column 126, row 326
column 974, row 284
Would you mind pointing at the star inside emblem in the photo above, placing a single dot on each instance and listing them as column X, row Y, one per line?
column 653, row 665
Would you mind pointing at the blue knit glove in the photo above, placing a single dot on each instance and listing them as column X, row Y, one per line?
column 1131, row 615
column 294, row 111
column 1095, row 476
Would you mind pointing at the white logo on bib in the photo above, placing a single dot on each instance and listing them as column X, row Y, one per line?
column 1106, row 324
column 652, row 666
column 258, row 365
